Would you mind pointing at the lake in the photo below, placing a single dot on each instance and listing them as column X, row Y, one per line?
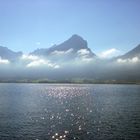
column 69, row 111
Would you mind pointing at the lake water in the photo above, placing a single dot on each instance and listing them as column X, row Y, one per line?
column 69, row 111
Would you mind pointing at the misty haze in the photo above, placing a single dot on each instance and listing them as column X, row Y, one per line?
column 71, row 61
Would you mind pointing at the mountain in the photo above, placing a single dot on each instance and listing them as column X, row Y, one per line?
column 6, row 53
column 67, row 62
column 69, row 48
column 133, row 53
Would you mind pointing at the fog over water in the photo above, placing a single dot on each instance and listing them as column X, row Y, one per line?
column 95, row 68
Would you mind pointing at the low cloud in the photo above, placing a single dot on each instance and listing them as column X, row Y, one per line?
column 87, row 59
column 56, row 52
column 132, row 60
column 4, row 61
column 83, row 52
column 29, row 57
column 42, row 62
column 109, row 53
column 83, row 55
column 36, row 61
column 121, row 60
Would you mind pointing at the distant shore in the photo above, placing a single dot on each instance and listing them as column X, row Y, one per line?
column 70, row 82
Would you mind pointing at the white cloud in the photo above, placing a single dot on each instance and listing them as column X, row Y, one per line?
column 56, row 66
column 83, row 52
column 83, row 55
column 36, row 61
column 109, row 53
column 38, row 43
column 4, row 61
column 132, row 60
column 86, row 59
column 121, row 60
column 56, row 52
column 42, row 62
column 29, row 57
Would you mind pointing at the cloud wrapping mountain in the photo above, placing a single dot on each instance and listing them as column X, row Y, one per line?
column 4, row 61
column 109, row 53
column 8, row 54
column 129, row 60
column 72, row 59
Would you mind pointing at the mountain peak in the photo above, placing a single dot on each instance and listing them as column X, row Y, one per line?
column 74, row 43
column 6, row 53
column 75, row 36
column 133, row 53
column 3, row 48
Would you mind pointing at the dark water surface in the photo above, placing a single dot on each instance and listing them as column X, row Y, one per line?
column 68, row 112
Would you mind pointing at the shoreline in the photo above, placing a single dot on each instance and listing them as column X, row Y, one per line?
column 61, row 82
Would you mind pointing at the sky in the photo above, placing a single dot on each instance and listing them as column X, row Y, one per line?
column 107, row 25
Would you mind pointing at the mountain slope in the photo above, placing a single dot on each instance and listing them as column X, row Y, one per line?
column 70, row 46
column 133, row 53
column 6, row 53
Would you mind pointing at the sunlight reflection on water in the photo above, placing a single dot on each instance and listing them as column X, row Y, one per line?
column 65, row 112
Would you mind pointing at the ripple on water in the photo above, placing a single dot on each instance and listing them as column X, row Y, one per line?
column 64, row 112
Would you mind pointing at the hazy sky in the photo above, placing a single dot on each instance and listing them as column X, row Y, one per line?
column 29, row 24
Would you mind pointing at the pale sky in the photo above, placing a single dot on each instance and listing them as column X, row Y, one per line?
column 106, row 24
